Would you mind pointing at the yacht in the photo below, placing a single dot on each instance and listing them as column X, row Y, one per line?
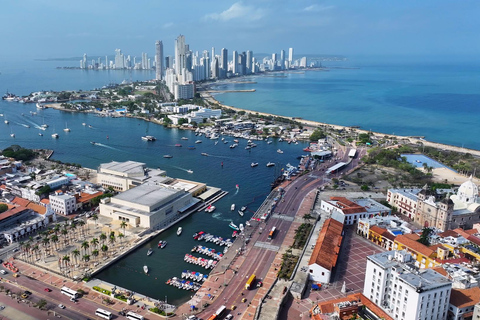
column 179, row 231
column 232, row 207
column 149, row 252
column 270, row 164
column 167, row 156
column 254, row 164
column 149, row 138
column 198, row 141
column 67, row 129
column 233, row 226
column 210, row 209
column 190, row 171
column 184, row 138
column 279, row 151
column 145, row 269
column 55, row 135
column 204, row 154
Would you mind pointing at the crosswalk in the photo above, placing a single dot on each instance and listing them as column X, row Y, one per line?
column 266, row 245
column 282, row 217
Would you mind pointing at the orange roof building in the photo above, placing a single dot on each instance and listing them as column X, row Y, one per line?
column 325, row 254
column 462, row 302
column 424, row 255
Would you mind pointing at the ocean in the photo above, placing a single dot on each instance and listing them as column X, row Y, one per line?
column 440, row 102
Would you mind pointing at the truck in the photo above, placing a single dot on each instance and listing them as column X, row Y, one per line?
column 250, row 282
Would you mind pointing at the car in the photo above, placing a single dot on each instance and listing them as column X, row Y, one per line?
column 61, row 306
column 47, row 289
column 244, row 300
column 228, row 317
column 2, row 307
column 24, row 296
column 233, row 307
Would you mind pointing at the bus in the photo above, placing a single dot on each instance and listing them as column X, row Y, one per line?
column 133, row 316
column 250, row 282
column 69, row 292
column 272, row 233
column 103, row 314
column 220, row 311
column 212, row 317
column 352, row 153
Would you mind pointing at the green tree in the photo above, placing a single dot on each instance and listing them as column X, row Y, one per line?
column 317, row 134
column 3, row 207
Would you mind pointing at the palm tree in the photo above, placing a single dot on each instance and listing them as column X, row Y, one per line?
column 54, row 239
column 112, row 239
column 86, row 258
column 65, row 236
column 73, row 226
column 22, row 247
column 85, row 246
column 76, row 254
column 95, row 218
column 121, row 236
column 123, row 225
column 35, row 250
column 66, row 260
column 45, row 242
column 103, row 237
column 104, row 249
column 81, row 224
column 95, row 253
column 27, row 249
column 94, row 242
column 56, row 229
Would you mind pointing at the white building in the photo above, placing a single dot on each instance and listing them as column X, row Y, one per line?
column 462, row 303
column 184, row 91
column 63, row 204
column 57, row 182
column 351, row 211
column 148, row 206
column 394, row 284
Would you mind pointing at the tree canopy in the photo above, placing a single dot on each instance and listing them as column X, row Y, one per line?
column 18, row 153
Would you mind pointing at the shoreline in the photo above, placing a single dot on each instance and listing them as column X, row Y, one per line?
column 205, row 94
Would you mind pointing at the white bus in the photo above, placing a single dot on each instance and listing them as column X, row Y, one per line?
column 69, row 292
column 221, row 310
column 103, row 314
column 133, row 316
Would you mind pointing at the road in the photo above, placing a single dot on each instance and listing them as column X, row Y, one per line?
column 260, row 251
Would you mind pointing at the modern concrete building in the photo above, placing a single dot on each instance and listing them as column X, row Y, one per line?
column 351, row 211
column 179, row 54
column 394, row 284
column 63, row 204
column 462, row 303
column 158, row 60
column 147, row 206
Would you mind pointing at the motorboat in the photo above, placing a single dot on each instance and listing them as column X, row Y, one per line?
column 279, row 151
column 12, row 135
column 240, row 213
column 198, row 141
column 241, row 227
column 40, row 134
column 149, row 252
column 190, row 171
column 148, row 138
column 40, row 106
column 232, row 207
column 55, row 135
column 145, row 269
column 67, row 129
column 270, row 164
column 233, row 226
column 178, row 145
column 254, row 164
column 179, row 231
column 243, row 208
column 162, row 244
column 184, row 138
column 204, row 154
column 93, row 142
column 167, row 156
column 84, row 124
column 210, row 209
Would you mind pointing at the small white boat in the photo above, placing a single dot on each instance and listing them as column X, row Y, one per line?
column 243, row 208
column 12, row 135
column 167, row 156
column 149, row 138
column 233, row 226
column 232, row 207
column 240, row 226
column 190, row 171
column 184, row 138
column 7, row 122
column 40, row 134
column 84, row 124
column 55, row 135
column 279, row 151
column 149, row 252
column 145, row 269
column 179, row 231
column 67, row 129
column 254, row 164
column 198, row 141
column 40, row 106
column 270, row 164
column 210, row 209
column 240, row 213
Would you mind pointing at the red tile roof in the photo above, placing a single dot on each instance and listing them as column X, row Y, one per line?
column 462, row 298
column 410, row 241
column 449, row 233
column 85, row 197
column 45, row 201
column 347, row 206
column 21, row 201
column 328, row 244
column 11, row 212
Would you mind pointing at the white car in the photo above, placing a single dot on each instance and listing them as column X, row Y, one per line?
column 2, row 307
column 61, row 306
column 229, row 317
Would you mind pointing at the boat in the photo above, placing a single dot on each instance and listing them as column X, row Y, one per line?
column 418, row 161
column 243, row 208
column 178, row 145
column 240, row 213
column 179, row 231
column 162, row 244
column 279, row 151
column 55, row 135
column 184, row 138
column 190, row 171
column 254, row 164
column 67, row 129
column 270, row 164
column 12, row 135
column 241, row 227
column 84, row 124
column 40, row 134
column 210, row 209
column 168, row 156
column 269, row 142
column 233, row 226
column 40, row 106
column 145, row 269
column 9, row 96
column 198, row 141
column 204, row 154
column 6, row 122
column 232, row 207
column 149, row 138
column 93, row 142
column 234, row 234
column 149, row 252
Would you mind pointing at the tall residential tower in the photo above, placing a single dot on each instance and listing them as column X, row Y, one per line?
column 158, row 60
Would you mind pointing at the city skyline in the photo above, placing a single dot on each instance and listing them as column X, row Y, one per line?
column 57, row 29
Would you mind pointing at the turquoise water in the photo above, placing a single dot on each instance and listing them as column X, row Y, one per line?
column 419, row 159
column 438, row 101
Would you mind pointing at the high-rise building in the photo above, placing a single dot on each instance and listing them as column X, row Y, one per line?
column 235, row 62
column 158, row 60
column 206, row 61
column 282, row 60
column 215, row 68
column 274, row 61
column 395, row 284
column 119, row 63
column 242, row 63
column 290, row 55
column 168, row 62
column 224, row 63
column 249, row 62
column 179, row 54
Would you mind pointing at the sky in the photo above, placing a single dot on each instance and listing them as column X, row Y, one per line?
column 68, row 28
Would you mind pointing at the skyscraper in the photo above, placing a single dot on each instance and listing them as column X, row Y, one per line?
column 249, row 62
column 224, row 63
column 179, row 54
column 242, row 63
column 158, row 60
column 274, row 61
column 119, row 63
column 282, row 60
column 235, row 62
column 290, row 57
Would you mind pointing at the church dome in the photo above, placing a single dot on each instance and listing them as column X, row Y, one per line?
column 468, row 192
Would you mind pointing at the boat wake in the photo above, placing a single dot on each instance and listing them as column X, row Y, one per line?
column 186, row 170
column 109, row 147
column 218, row 216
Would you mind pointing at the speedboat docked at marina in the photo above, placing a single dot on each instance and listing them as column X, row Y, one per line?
column 233, row 226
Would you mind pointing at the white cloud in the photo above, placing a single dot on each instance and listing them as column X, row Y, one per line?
column 237, row 11
column 317, row 8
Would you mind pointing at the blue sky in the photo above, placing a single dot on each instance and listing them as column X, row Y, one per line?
column 64, row 28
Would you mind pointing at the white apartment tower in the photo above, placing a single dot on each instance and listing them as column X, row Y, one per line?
column 235, row 62
column 249, row 61
column 224, row 63
column 394, row 284
column 282, row 60
column 179, row 54
column 119, row 63
column 290, row 56
column 158, row 60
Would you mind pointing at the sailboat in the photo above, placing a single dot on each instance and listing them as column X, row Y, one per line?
column 54, row 135
column 67, row 129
